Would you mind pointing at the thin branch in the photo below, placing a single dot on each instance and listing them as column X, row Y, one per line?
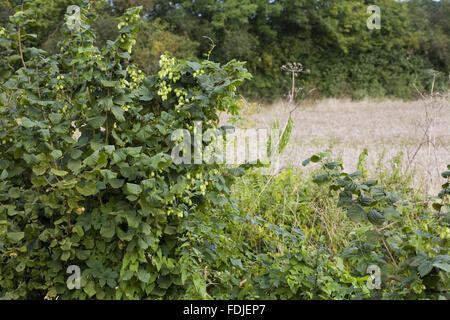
column 387, row 249
column 20, row 47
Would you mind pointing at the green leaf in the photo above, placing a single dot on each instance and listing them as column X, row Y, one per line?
column 27, row 123
column 442, row 265
column 133, row 151
column 4, row 175
column 391, row 214
column 116, row 183
column 286, row 135
column 96, row 122
column 40, row 170
column 377, row 191
column 110, row 84
column 123, row 99
column 375, row 217
column 108, row 230
column 133, row 220
column 15, row 236
column 89, row 189
column 417, row 260
column 106, row 103
column 20, row 267
column 67, row 184
column 74, row 165
column 333, row 165
column 65, row 256
column 365, row 200
column 75, row 154
column 92, row 160
column 373, row 237
column 55, row 117
column 425, row 268
column 14, row 193
column 124, row 236
column 237, row 262
column 134, row 189
column 145, row 94
column 371, row 182
column 143, row 276
column 355, row 174
column 56, row 154
column 89, row 288
column 118, row 113
column 345, row 198
column 322, row 178
column 356, row 213
column 59, row 173
column 194, row 65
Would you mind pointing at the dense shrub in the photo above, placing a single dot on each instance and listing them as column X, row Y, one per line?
column 408, row 241
column 86, row 173
column 87, row 179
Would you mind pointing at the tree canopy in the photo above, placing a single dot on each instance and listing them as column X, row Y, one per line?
column 330, row 38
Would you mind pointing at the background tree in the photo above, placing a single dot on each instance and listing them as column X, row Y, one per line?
column 330, row 37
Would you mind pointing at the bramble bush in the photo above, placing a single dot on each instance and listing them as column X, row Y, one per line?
column 408, row 241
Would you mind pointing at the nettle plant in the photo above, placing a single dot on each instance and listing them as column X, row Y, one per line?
column 408, row 243
column 86, row 175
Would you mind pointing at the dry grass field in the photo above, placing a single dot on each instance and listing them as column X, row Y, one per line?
column 386, row 128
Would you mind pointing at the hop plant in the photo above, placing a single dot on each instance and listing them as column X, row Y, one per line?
column 87, row 171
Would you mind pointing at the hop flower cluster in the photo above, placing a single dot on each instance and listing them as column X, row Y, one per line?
column 125, row 107
column 4, row 141
column 124, row 83
column 169, row 71
column 136, row 76
column 164, row 90
column 60, row 84
column 169, row 68
column 128, row 20
column 198, row 73
column 2, row 32
column 196, row 183
column 183, row 99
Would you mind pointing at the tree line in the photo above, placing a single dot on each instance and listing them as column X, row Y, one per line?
column 330, row 38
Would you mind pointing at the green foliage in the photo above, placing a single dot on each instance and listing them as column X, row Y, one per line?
column 87, row 178
column 407, row 241
column 444, row 194
column 330, row 37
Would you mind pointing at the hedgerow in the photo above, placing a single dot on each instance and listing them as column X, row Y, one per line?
column 87, row 179
column 86, row 173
